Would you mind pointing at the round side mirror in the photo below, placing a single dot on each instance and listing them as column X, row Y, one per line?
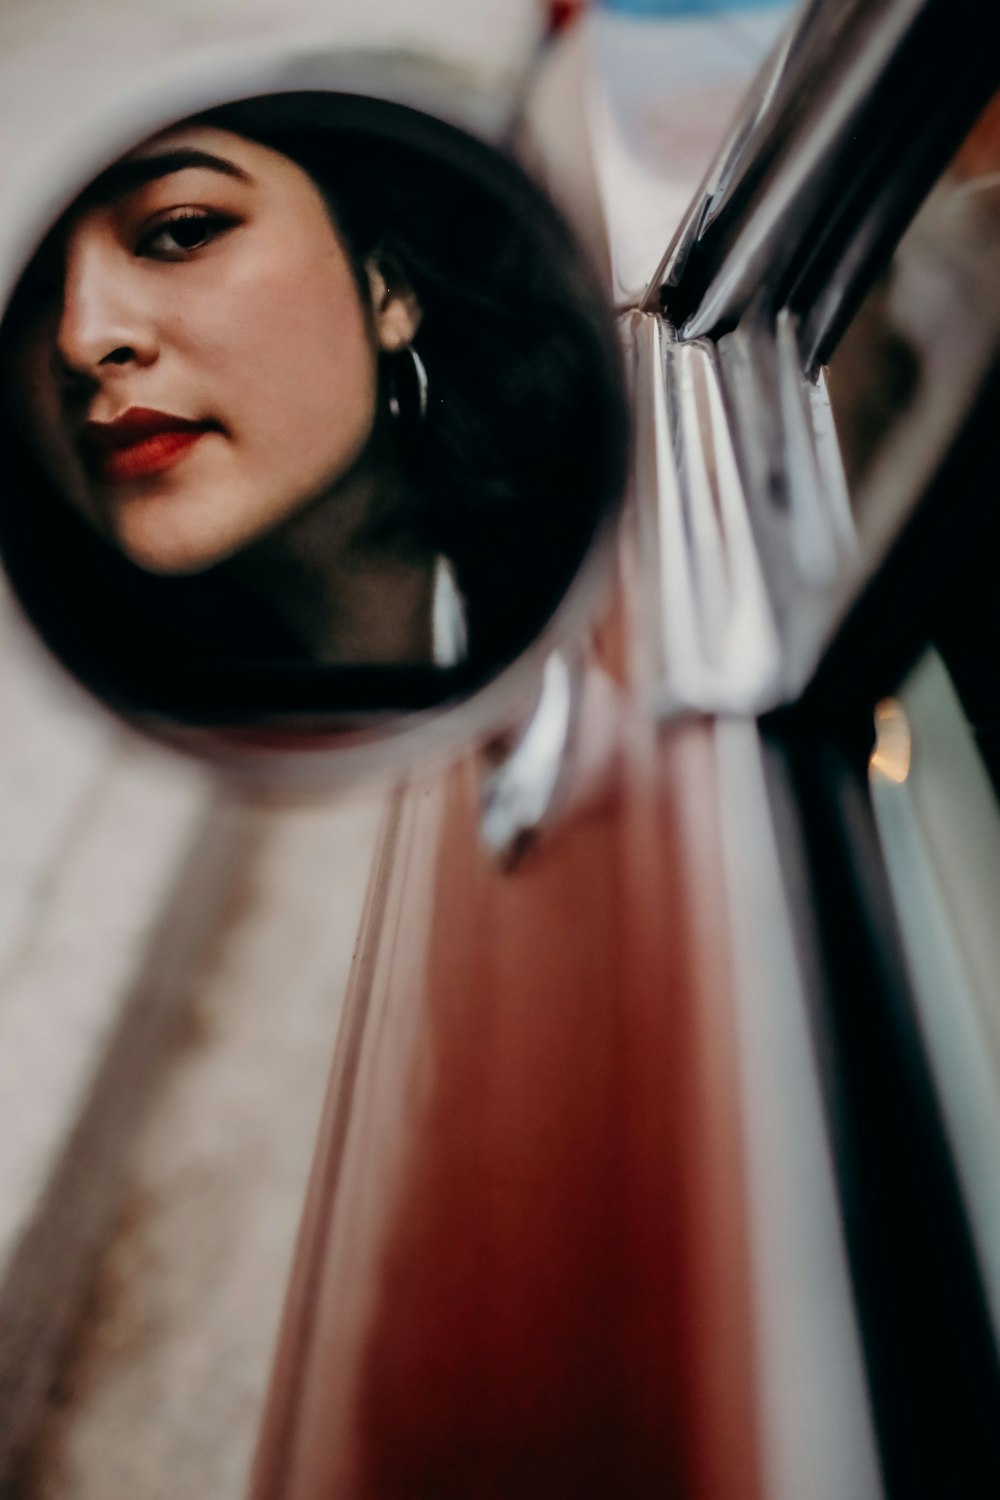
column 314, row 414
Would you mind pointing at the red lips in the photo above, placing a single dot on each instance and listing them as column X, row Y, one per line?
column 138, row 443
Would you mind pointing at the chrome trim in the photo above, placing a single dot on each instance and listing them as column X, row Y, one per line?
column 822, row 531
column 849, row 123
column 519, row 789
column 770, row 238
column 744, row 516
column 756, row 554
column 716, row 187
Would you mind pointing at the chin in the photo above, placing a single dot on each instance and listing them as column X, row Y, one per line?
column 181, row 522
column 168, row 554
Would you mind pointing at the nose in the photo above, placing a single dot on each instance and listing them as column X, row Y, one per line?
column 106, row 321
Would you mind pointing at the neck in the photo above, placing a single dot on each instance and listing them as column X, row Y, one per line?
column 348, row 578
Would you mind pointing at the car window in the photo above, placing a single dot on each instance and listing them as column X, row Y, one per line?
column 938, row 821
column 923, row 337
column 922, row 322
column 901, row 382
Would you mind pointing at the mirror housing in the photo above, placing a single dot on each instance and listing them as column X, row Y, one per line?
column 497, row 399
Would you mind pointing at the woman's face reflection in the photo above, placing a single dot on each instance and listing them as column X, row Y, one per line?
column 203, row 363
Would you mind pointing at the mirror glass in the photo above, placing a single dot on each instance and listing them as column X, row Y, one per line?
column 313, row 406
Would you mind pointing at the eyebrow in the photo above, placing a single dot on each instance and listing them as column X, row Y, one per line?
column 124, row 177
column 121, row 178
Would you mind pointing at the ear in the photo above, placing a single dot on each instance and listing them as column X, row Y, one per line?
column 397, row 309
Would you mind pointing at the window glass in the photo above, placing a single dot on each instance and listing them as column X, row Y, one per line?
column 938, row 820
column 925, row 320
column 901, row 382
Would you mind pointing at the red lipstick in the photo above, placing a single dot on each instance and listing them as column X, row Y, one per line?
column 138, row 443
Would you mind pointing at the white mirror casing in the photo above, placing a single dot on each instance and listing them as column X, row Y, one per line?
column 458, row 122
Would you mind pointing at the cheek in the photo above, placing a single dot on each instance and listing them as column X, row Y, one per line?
column 302, row 380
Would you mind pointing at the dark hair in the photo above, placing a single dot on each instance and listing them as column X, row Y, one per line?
column 523, row 444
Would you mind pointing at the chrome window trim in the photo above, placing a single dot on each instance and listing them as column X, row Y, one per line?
column 740, row 294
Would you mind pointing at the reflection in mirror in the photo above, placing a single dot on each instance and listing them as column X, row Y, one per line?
column 313, row 406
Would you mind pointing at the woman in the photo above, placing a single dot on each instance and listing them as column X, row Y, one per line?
column 324, row 381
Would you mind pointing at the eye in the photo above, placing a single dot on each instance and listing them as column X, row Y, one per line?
column 182, row 233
